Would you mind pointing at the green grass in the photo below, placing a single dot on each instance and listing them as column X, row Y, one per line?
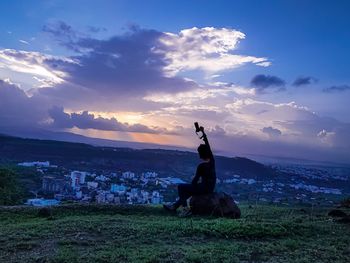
column 95, row 234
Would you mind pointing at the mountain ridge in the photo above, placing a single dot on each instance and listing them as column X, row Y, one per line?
column 84, row 156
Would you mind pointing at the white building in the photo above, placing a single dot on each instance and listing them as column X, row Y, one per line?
column 156, row 198
column 128, row 175
column 78, row 178
column 35, row 164
column 144, row 197
column 101, row 198
column 118, row 188
column 149, row 175
column 117, row 200
column 102, row 178
column 42, row 202
column 92, row 185
column 110, row 197
column 78, row 194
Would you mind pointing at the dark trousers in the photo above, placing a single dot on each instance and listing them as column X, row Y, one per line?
column 187, row 190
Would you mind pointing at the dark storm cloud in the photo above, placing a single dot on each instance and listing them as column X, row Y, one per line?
column 339, row 88
column 125, row 65
column 302, row 81
column 86, row 120
column 272, row 132
column 264, row 82
column 17, row 109
column 94, row 29
column 63, row 34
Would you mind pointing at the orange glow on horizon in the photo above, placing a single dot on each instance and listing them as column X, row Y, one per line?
column 161, row 139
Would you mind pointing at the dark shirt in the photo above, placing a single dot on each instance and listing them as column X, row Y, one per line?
column 206, row 172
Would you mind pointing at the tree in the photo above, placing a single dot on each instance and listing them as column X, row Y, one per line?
column 10, row 191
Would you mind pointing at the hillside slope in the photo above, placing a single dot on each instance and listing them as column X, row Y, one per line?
column 84, row 156
column 148, row 234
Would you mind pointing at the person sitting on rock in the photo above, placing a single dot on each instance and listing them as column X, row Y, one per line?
column 204, row 180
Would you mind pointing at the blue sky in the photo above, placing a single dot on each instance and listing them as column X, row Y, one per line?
column 305, row 40
column 305, row 37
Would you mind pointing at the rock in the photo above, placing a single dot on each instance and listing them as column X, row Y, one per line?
column 337, row 213
column 303, row 210
column 216, row 204
column 344, row 220
column 345, row 203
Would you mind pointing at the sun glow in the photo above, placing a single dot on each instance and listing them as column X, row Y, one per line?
column 128, row 117
column 133, row 137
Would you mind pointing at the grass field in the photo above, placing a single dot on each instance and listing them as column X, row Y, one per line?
column 148, row 234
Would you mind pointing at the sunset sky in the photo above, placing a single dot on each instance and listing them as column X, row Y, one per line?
column 264, row 77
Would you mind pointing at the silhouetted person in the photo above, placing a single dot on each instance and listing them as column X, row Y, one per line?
column 204, row 179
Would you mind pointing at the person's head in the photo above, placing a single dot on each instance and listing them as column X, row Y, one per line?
column 203, row 151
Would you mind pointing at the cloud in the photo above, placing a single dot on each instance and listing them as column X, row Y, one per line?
column 122, row 65
column 94, row 29
column 272, row 132
column 264, row 82
column 338, row 136
column 298, row 124
column 17, row 109
column 208, row 49
column 239, row 90
column 64, row 34
column 217, row 131
column 241, row 144
column 192, row 96
column 37, row 64
column 302, row 81
column 24, row 42
column 142, row 71
column 322, row 134
column 86, row 120
column 325, row 136
column 123, row 70
column 339, row 88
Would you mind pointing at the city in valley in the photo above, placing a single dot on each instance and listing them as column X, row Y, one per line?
column 301, row 184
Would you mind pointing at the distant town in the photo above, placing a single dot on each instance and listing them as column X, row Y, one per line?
column 114, row 188
column 128, row 187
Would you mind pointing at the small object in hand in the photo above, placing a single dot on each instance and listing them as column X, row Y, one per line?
column 197, row 127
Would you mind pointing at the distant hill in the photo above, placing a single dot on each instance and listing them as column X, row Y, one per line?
column 87, row 157
column 42, row 134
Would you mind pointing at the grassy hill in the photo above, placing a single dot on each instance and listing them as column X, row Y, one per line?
column 87, row 157
column 93, row 233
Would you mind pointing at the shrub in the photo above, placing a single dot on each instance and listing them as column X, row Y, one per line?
column 10, row 191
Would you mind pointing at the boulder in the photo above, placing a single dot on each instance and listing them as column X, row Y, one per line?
column 345, row 203
column 345, row 220
column 337, row 213
column 215, row 204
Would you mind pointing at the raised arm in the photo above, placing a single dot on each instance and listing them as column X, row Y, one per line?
column 205, row 139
